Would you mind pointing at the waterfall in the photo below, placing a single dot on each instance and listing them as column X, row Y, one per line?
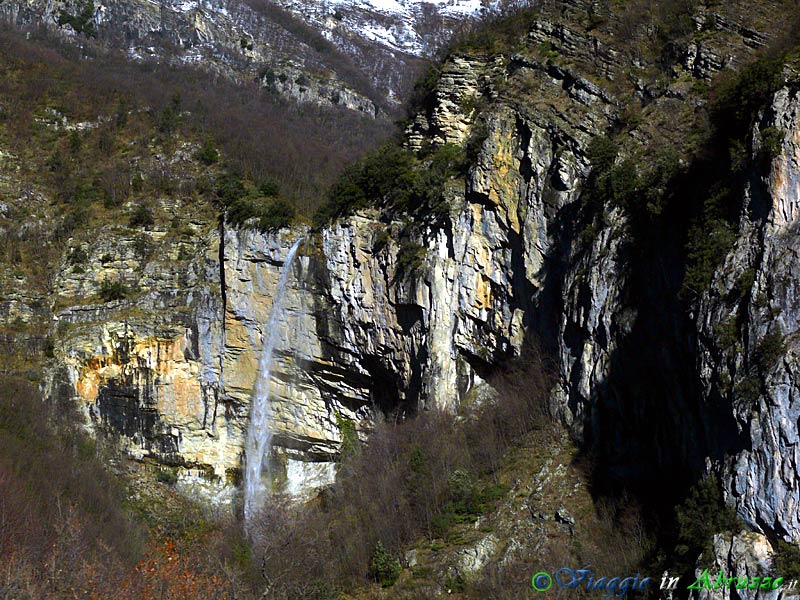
column 259, row 433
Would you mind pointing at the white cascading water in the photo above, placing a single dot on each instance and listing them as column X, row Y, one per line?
column 259, row 433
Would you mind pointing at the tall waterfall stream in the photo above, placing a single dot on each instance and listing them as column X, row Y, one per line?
column 259, row 433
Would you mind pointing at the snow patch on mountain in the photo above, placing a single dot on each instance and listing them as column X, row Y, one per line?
column 399, row 25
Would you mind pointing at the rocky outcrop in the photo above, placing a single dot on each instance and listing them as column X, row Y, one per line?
column 744, row 557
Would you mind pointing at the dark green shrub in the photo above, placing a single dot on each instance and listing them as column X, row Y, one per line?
column 500, row 31
column 142, row 216
column 737, row 97
column 381, row 240
column 137, row 183
column 167, row 476
column 748, row 389
column 168, row 119
column 207, row 154
column 347, row 429
column 547, row 52
column 727, row 334
column 610, row 183
column 446, row 161
column 656, row 183
column 393, row 177
column 82, row 193
column 229, row 189
column 269, row 77
column 113, row 290
column 410, row 257
column 602, row 152
column 384, row 176
column 623, row 183
column 477, row 136
column 77, row 216
column 276, row 215
column 269, row 188
column 770, row 350
column 121, row 117
column 735, row 101
column 239, row 211
column 771, row 142
column 422, row 96
column 142, row 246
column 75, row 142
column 745, row 283
column 384, row 568
column 708, row 244
column 78, row 256
column 701, row 516
column 57, row 163
column 82, row 22
column 787, row 560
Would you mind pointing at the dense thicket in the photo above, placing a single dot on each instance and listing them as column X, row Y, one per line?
column 415, row 479
column 397, row 178
column 70, row 528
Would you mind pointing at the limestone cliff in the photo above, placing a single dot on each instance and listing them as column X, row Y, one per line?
column 390, row 313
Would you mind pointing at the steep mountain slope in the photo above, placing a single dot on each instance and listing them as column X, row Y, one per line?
column 357, row 55
column 410, row 26
column 227, row 38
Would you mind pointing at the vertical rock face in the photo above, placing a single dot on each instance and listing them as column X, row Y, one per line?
column 745, row 557
column 146, row 367
column 755, row 364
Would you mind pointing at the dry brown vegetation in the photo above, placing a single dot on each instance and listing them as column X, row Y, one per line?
column 425, row 483
column 412, row 480
column 261, row 136
column 68, row 528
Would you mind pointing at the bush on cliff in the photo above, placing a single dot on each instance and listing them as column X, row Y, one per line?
column 113, row 290
column 396, row 178
column 242, row 201
column 736, row 99
column 702, row 515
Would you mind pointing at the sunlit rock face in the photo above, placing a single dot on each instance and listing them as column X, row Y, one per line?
column 745, row 557
column 759, row 372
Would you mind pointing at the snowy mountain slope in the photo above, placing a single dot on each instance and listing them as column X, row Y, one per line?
column 411, row 26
